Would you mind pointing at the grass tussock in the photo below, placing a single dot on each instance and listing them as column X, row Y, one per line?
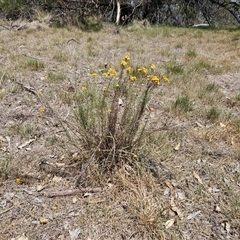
column 111, row 120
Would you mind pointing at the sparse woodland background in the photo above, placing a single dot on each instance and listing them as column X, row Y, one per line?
column 92, row 12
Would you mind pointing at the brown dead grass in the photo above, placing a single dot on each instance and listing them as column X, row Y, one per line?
column 194, row 161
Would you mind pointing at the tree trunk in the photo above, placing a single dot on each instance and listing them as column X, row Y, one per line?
column 118, row 12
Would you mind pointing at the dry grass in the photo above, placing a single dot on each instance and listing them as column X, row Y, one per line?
column 193, row 143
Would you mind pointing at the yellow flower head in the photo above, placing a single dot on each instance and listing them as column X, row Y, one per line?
column 105, row 74
column 123, row 63
column 84, row 88
column 19, row 180
column 143, row 70
column 128, row 70
column 104, row 89
column 126, row 58
column 117, row 85
column 165, row 79
column 94, row 74
column 42, row 110
column 149, row 77
column 55, row 207
column 155, row 80
column 153, row 66
column 133, row 78
column 111, row 72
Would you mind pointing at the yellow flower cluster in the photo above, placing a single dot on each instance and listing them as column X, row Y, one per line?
column 42, row 110
column 154, row 79
column 153, row 66
column 84, row 88
column 126, row 58
column 125, row 61
column 19, row 180
column 165, row 79
column 110, row 73
column 133, row 73
column 143, row 70
column 128, row 69
column 133, row 78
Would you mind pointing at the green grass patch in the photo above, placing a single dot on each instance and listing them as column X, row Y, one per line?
column 191, row 53
column 213, row 113
column 173, row 68
column 183, row 103
column 212, row 87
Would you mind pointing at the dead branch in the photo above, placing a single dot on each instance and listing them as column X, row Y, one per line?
column 71, row 192
column 133, row 11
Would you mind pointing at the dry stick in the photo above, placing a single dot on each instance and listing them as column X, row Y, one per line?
column 73, row 192
column 28, row 88
column 12, row 26
column 72, row 39
column 21, row 27
column 9, row 29
column 6, row 210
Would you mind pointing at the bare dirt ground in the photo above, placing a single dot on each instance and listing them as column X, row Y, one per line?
column 195, row 191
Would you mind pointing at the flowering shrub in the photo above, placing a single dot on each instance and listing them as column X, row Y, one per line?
column 111, row 118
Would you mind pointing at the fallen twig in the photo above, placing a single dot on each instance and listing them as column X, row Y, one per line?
column 26, row 143
column 28, row 88
column 6, row 210
column 72, row 39
column 72, row 192
column 5, row 27
column 21, row 27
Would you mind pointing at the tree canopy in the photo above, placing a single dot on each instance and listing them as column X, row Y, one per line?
column 172, row 12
